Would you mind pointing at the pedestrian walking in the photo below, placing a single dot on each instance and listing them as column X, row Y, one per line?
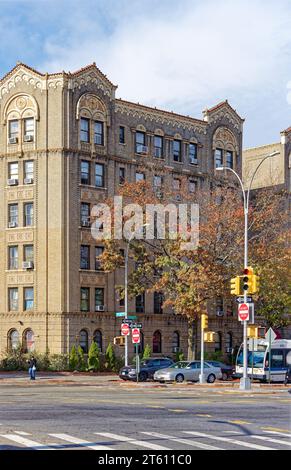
column 32, row 368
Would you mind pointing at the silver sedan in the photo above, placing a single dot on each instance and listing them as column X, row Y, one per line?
column 186, row 370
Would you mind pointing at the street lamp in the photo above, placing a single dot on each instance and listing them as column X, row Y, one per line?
column 126, row 289
column 245, row 383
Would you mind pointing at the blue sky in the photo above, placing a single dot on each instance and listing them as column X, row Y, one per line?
column 181, row 55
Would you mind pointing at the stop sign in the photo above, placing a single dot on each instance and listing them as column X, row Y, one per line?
column 243, row 312
column 135, row 335
column 124, row 329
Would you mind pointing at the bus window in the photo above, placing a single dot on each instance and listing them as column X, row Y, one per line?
column 288, row 358
column 277, row 358
column 255, row 359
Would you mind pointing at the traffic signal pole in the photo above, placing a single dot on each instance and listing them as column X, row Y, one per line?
column 201, row 376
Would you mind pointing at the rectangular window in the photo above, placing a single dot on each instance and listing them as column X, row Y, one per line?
column 13, row 129
column 229, row 159
column 28, row 298
column 158, row 146
column 98, row 252
column 29, row 127
column 98, row 133
column 85, row 214
column 13, row 257
column 121, row 135
column 139, row 177
column 85, row 130
column 139, row 303
column 140, row 142
column 121, row 175
column 13, row 299
column 13, row 171
column 158, row 302
column 28, row 170
column 13, row 215
column 28, row 214
column 193, row 159
column 177, row 150
column 85, row 299
column 218, row 158
column 85, row 257
column 192, row 186
column 85, row 172
column 28, row 253
column 99, row 175
column 177, row 184
column 158, row 181
column 99, row 298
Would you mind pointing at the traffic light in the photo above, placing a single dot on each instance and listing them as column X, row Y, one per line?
column 209, row 336
column 204, row 321
column 256, row 331
column 119, row 340
column 235, row 285
column 247, row 279
column 254, row 284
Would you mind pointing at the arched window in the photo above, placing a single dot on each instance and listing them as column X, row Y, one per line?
column 97, row 337
column 228, row 342
column 20, row 114
column 92, row 113
column 225, row 148
column 83, row 341
column 141, row 344
column 176, row 342
column 218, row 341
column 28, row 341
column 13, row 340
column 157, row 342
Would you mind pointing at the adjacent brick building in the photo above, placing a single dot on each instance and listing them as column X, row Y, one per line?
column 66, row 142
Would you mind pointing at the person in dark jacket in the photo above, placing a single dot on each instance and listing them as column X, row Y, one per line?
column 32, row 368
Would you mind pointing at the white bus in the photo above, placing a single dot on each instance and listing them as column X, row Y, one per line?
column 258, row 360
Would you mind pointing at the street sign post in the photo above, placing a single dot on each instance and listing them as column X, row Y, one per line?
column 135, row 333
column 241, row 300
column 243, row 312
column 120, row 314
column 125, row 329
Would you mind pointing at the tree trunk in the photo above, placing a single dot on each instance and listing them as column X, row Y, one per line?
column 192, row 331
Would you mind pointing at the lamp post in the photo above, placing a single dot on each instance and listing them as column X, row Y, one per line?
column 126, row 290
column 245, row 383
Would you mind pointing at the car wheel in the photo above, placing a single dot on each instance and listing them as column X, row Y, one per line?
column 179, row 378
column 211, row 378
column 224, row 376
column 142, row 377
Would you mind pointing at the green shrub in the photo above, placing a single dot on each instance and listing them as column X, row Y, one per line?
column 81, row 359
column 147, row 352
column 59, row 362
column 110, row 363
column 93, row 357
column 179, row 356
column 73, row 359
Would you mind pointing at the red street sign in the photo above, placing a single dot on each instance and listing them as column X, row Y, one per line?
column 125, row 329
column 135, row 335
column 243, row 312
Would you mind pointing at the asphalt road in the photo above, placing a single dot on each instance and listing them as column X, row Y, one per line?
column 97, row 414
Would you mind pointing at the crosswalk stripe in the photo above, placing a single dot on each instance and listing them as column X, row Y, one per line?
column 228, row 439
column 26, row 442
column 117, row 437
column 187, row 442
column 22, row 433
column 81, row 442
column 279, row 433
column 270, row 439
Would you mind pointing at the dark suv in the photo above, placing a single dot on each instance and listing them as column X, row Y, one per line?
column 147, row 368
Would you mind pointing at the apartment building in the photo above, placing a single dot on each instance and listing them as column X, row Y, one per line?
column 66, row 143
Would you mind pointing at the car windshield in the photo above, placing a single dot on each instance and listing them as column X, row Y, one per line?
column 180, row 365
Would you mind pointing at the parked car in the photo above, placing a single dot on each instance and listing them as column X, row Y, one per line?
column 227, row 370
column 147, row 368
column 188, row 370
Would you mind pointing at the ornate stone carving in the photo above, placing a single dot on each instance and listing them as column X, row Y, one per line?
column 224, row 138
column 91, row 279
column 20, row 106
column 13, row 195
column 22, row 74
column 93, row 77
column 20, row 236
column 22, row 278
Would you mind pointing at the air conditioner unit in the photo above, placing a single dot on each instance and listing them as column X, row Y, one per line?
column 176, row 349
column 12, row 224
column 141, row 149
column 28, row 138
column 99, row 308
column 13, row 140
column 229, row 350
column 28, row 180
column 159, row 194
column 27, row 265
column 219, row 313
column 12, row 182
column 85, row 223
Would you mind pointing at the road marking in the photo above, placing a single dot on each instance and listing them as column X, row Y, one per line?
column 155, row 406
column 176, row 410
column 81, row 442
column 26, row 442
column 228, row 439
column 279, row 433
column 269, row 439
column 117, row 437
column 270, row 428
column 203, row 415
column 200, row 445
column 237, row 421
column 22, row 433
